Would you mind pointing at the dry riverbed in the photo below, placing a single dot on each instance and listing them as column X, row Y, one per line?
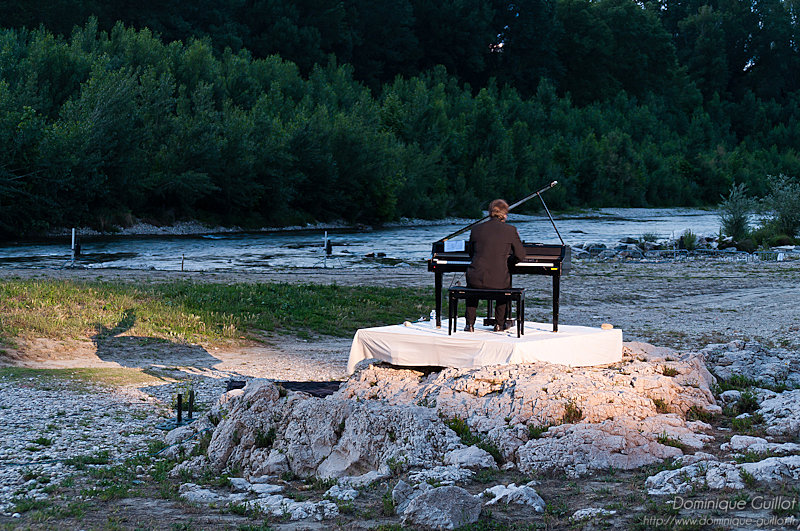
column 78, row 450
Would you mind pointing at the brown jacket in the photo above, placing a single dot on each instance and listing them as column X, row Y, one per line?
column 493, row 242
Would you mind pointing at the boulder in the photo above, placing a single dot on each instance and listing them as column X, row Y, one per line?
column 590, row 512
column 620, row 444
column 339, row 493
column 443, row 508
column 774, row 469
column 470, row 457
column 278, row 506
column 772, row 366
column 711, row 474
column 523, row 495
column 780, row 412
column 264, row 433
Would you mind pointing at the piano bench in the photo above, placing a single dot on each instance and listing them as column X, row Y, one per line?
column 516, row 295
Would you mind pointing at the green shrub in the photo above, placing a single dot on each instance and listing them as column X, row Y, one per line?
column 688, row 240
column 535, row 432
column 734, row 212
column 782, row 204
column 572, row 413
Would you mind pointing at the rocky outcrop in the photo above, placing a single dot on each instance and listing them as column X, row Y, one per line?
column 534, row 416
column 611, row 444
column 263, row 432
column 625, row 415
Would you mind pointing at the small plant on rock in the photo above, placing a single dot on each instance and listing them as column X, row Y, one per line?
column 748, row 478
column 265, row 440
column 572, row 413
column 535, row 432
column 669, row 371
column 666, row 440
column 388, row 504
column 661, row 405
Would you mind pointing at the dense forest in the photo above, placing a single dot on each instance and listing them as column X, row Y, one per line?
column 264, row 113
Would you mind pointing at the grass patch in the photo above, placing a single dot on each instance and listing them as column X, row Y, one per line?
column 23, row 505
column 265, row 440
column 695, row 413
column 80, row 462
column 113, row 377
column 186, row 311
column 747, row 425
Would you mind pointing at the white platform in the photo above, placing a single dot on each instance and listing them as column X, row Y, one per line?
column 418, row 344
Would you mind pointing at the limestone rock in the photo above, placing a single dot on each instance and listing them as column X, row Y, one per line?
column 524, row 495
column 731, row 396
column 364, row 480
column 444, row 475
column 338, row 493
column 193, row 467
column 590, row 512
column 403, row 493
column 773, row 366
column 385, row 419
column 759, row 445
column 620, row 444
column 713, row 474
column 277, row 505
column 193, row 493
column 264, row 489
column 443, row 508
column 774, row 469
column 781, row 414
column 324, row 437
column 470, row 457
column 240, row 484
column 717, row 475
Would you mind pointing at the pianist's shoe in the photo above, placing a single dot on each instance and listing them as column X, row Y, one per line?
column 506, row 326
column 469, row 328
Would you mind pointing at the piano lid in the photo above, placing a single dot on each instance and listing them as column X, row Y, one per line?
column 524, row 199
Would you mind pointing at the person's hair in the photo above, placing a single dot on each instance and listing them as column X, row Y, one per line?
column 498, row 209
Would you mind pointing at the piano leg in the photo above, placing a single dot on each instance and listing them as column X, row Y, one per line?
column 556, row 287
column 438, row 287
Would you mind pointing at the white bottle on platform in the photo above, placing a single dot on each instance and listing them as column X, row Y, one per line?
column 433, row 318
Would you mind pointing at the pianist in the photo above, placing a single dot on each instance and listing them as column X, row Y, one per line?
column 493, row 242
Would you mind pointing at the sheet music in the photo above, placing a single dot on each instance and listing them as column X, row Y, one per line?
column 454, row 246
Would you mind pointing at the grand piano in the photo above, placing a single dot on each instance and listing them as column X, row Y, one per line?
column 454, row 256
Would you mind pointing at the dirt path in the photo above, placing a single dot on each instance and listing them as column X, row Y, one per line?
column 683, row 304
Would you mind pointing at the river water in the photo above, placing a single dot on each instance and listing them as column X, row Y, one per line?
column 395, row 246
